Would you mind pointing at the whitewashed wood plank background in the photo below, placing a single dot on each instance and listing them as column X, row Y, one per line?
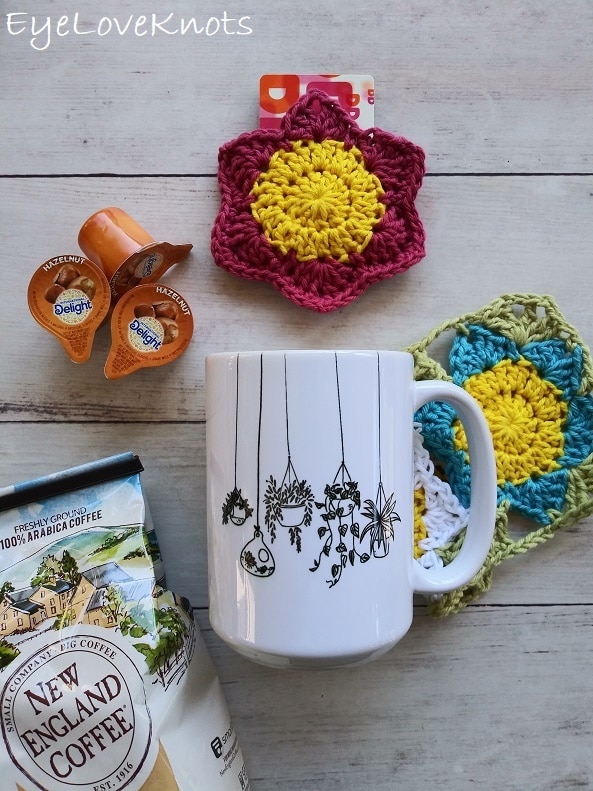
column 491, row 87
column 501, row 98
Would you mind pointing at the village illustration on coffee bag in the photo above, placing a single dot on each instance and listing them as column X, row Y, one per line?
column 351, row 530
column 101, row 577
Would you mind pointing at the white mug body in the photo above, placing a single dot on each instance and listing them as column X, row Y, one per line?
column 310, row 504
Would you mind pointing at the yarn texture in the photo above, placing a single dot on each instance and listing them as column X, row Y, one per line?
column 532, row 375
column 319, row 208
column 439, row 517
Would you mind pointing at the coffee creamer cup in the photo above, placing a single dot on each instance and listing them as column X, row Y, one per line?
column 68, row 295
column 151, row 325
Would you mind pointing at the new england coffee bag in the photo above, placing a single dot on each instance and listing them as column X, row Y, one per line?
column 105, row 680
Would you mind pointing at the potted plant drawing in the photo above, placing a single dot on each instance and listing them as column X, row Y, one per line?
column 256, row 557
column 341, row 498
column 382, row 517
column 236, row 508
column 289, row 505
column 341, row 533
column 380, row 512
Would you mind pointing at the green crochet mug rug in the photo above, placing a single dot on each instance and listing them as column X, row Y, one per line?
column 532, row 375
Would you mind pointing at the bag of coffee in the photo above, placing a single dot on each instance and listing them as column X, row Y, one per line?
column 105, row 680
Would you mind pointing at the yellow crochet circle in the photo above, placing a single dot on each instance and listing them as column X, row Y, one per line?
column 318, row 200
column 525, row 414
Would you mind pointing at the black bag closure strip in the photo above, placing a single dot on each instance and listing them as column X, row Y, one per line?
column 120, row 466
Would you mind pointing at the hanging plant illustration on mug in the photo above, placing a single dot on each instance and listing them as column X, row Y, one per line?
column 341, row 499
column 256, row 557
column 289, row 504
column 382, row 518
column 236, row 508
column 341, row 533
column 381, row 511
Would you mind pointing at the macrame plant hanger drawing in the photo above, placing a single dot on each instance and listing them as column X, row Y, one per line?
column 256, row 557
column 290, row 504
column 380, row 512
column 235, row 508
column 342, row 498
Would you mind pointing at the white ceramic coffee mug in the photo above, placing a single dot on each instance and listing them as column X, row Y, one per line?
column 310, row 502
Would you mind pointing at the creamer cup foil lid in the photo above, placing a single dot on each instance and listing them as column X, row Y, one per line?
column 146, row 265
column 151, row 325
column 69, row 296
column 125, row 251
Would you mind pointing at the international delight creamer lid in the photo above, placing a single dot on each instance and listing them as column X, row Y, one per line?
column 151, row 325
column 69, row 296
column 125, row 251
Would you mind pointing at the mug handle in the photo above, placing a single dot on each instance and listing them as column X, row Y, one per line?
column 482, row 511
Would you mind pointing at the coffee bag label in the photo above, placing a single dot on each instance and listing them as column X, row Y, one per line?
column 74, row 715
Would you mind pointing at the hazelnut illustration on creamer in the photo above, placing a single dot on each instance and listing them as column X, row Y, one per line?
column 69, row 296
column 165, row 313
column 69, row 277
column 151, row 325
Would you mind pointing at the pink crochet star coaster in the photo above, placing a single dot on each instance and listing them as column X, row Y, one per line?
column 319, row 208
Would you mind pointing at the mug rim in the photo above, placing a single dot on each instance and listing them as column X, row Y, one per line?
column 305, row 352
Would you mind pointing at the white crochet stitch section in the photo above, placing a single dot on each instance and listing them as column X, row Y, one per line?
column 444, row 516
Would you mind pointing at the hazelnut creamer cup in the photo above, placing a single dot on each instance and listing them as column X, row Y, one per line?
column 127, row 253
column 69, row 296
column 151, row 325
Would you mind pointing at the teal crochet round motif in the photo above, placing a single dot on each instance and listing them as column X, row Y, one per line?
column 532, row 375
column 541, row 427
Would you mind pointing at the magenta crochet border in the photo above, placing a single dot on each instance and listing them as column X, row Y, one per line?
column 239, row 245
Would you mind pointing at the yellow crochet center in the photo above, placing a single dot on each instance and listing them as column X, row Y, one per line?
column 526, row 415
column 420, row 531
column 318, row 200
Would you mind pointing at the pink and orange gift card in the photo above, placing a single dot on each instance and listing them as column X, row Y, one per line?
column 354, row 92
